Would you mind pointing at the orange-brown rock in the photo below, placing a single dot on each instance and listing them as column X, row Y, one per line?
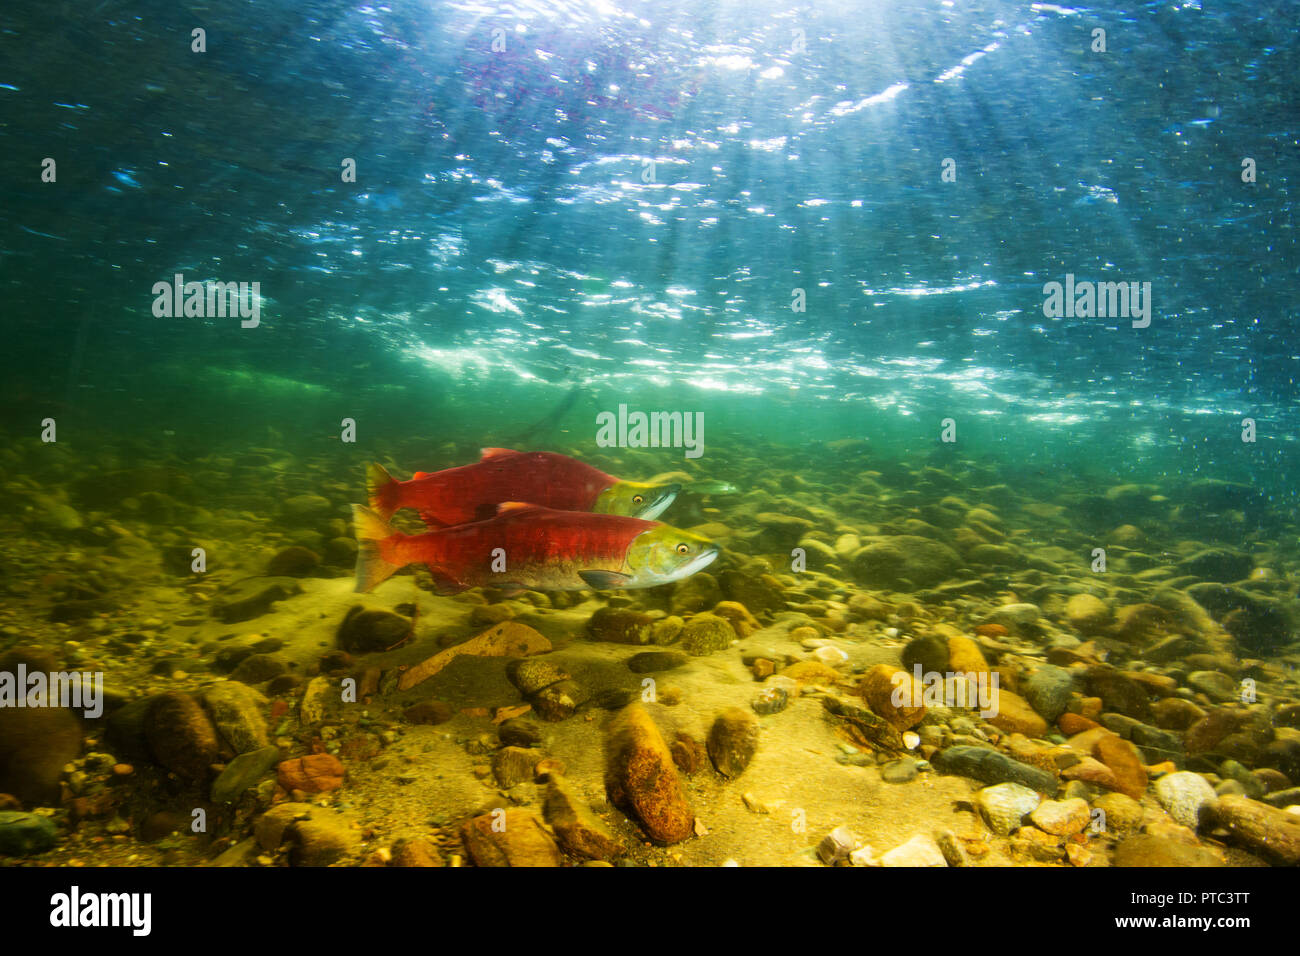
column 742, row 622
column 509, row 838
column 1015, row 716
column 415, row 852
column 576, row 826
column 811, row 672
column 507, row 639
column 894, row 694
column 1091, row 771
column 1159, row 685
column 315, row 773
column 1123, row 760
column 1085, row 741
column 642, row 781
column 965, row 656
column 1266, row 830
column 1072, row 724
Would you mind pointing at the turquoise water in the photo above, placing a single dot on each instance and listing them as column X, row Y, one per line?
column 507, row 238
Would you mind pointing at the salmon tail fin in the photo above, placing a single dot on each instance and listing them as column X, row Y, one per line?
column 383, row 489
column 372, row 567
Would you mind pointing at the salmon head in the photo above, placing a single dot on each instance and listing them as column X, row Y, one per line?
column 665, row 553
column 637, row 499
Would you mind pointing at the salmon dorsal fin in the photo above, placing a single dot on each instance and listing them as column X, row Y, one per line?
column 421, row 474
column 517, row 507
column 490, row 453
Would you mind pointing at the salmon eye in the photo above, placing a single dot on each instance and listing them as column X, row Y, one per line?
column 637, row 499
column 683, row 549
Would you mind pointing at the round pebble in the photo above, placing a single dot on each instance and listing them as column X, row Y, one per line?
column 1005, row 805
column 1182, row 794
column 899, row 771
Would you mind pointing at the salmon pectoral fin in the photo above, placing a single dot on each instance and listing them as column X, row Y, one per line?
column 444, row 583
column 605, row 580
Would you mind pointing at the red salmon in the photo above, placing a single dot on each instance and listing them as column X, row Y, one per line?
column 525, row 546
column 472, row 492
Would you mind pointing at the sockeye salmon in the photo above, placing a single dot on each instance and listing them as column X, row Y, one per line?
column 472, row 492
column 525, row 546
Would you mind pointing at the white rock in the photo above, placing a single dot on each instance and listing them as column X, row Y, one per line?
column 837, row 845
column 921, row 850
column 863, row 856
column 1182, row 794
column 1005, row 805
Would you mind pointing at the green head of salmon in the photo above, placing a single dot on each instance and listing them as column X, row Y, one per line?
column 665, row 554
column 639, row 499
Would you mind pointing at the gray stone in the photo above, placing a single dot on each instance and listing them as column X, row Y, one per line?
column 243, row 772
column 992, row 767
column 648, row 662
column 236, row 712
column 1048, row 691
column 368, row 630
column 22, row 834
column 1218, row 564
column 531, row 675
column 772, row 700
column 899, row 771
column 259, row 668
column 1217, row 686
column 733, row 740
column 250, row 598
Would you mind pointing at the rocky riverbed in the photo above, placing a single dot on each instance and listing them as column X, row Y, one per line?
column 258, row 712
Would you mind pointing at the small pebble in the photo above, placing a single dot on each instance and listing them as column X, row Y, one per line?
column 899, row 771
column 773, row 700
column 830, row 655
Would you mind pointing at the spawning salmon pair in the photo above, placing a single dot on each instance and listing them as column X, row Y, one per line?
column 526, row 520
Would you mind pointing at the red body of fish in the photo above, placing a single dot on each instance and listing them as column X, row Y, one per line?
column 471, row 492
column 546, row 548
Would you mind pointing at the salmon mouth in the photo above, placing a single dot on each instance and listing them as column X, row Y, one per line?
column 697, row 563
column 667, row 495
